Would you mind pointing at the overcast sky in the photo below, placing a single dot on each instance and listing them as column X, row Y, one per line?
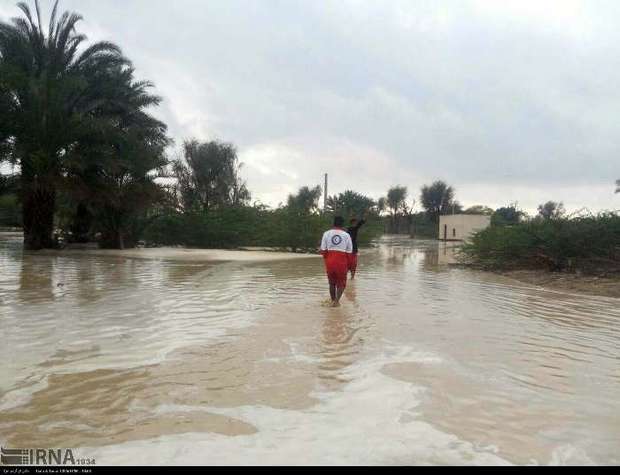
column 509, row 100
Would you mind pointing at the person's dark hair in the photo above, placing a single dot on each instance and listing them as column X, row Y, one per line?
column 338, row 221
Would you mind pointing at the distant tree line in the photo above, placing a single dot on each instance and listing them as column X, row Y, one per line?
column 397, row 208
column 209, row 205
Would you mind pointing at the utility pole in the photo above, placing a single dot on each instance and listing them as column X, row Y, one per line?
column 325, row 196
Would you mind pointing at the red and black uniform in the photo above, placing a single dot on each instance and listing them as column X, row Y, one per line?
column 337, row 248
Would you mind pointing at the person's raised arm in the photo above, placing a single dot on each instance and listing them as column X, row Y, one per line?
column 362, row 221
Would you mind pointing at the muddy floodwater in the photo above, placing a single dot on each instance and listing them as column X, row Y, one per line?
column 164, row 361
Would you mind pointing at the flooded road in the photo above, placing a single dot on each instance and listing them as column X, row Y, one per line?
column 154, row 361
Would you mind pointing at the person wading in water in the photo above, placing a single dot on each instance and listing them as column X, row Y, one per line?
column 336, row 248
column 354, row 227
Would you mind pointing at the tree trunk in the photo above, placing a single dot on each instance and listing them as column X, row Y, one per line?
column 112, row 239
column 81, row 225
column 39, row 203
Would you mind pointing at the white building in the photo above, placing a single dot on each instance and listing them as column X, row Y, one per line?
column 458, row 227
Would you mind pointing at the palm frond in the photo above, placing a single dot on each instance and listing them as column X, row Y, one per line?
column 39, row 22
column 59, row 26
column 67, row 29
column 142, row 85
column 52, row 24
column 71, row 50
column 23, row 6
column 23, row 28
column 101, row 48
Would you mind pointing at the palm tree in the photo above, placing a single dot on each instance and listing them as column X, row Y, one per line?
column 111, row 175
column 56, row 88
column 350, row 204
column 5, row 104
column 617, row 186
column 396, row 202
column 306, row 200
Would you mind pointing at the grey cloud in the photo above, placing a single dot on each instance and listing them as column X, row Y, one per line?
column 379, row 93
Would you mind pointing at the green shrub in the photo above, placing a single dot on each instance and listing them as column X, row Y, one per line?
column 285, row 228
column 585, row 243
column 10, row 211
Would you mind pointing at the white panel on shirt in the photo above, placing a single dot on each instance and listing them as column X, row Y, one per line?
column 336, row 240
